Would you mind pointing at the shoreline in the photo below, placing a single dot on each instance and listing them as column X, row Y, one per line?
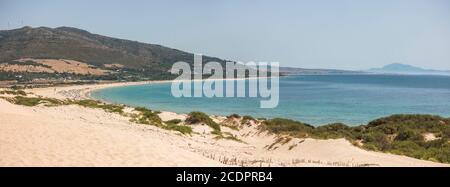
column 84, row 91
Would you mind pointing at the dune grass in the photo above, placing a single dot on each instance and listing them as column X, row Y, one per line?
column 180, row 128
column 200, row 117
column 173, row 121
column 34, row 101
column 234, row 116
column 287, row 126
column 97, row 104
column 247, row 118
column 150, row 117
column 228, row 136
column 14, row 92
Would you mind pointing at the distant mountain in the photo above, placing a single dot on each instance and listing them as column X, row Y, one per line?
column 303, row 71
column 124, row 58
column 398, row 68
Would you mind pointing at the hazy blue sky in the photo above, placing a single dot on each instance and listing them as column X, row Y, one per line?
column 341, row 34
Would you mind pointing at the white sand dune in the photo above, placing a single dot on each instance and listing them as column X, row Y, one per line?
column 77, row 136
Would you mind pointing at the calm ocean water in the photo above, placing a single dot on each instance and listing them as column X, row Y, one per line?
column 315, row 99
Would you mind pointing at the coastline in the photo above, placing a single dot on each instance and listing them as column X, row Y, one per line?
column 84, row 91
column 38, row 136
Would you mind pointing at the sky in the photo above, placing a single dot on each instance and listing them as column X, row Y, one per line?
column 338, row 34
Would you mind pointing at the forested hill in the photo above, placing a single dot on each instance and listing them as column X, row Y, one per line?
column 36, row 52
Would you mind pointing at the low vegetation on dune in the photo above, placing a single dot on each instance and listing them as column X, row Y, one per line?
column 200, row 117
column 228, row 136
column 173, row 121
column 13, row 92
column 234, row 116
column 247, row 118
column 397, row 134
column 97, row 104
column 232, row 122
column 236, row 122
column 174, row 125
column 404, row 135
column 149, row 117
column 33, row 101
column 332, row 131
column 180, row 128
column 287, row 126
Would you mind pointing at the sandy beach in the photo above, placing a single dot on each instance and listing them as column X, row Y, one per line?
column 73, row 135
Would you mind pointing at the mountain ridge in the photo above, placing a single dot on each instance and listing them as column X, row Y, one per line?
column 399, row 68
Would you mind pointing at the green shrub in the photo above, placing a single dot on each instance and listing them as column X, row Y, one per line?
column 27, row 101
column 173, row 121
column 234, row 116
column 441, row 154
column 33, row 101
column 409, row 141
column 410, row 135
column 247, row 118
column 97, row 104
column 446, row 133
column 335, row 130
column 14, row 92
column 419, row 123
column 148, row 117
column 438, row 143
column 141, row 109
column 180, row 128
column 370, row 146
column 378, row 139
column 227, row 136
column 197, row 117
column 408, row 148
column 287, row 126
column 200, row 117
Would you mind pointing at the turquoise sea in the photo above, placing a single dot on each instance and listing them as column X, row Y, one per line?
column 315, row 99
